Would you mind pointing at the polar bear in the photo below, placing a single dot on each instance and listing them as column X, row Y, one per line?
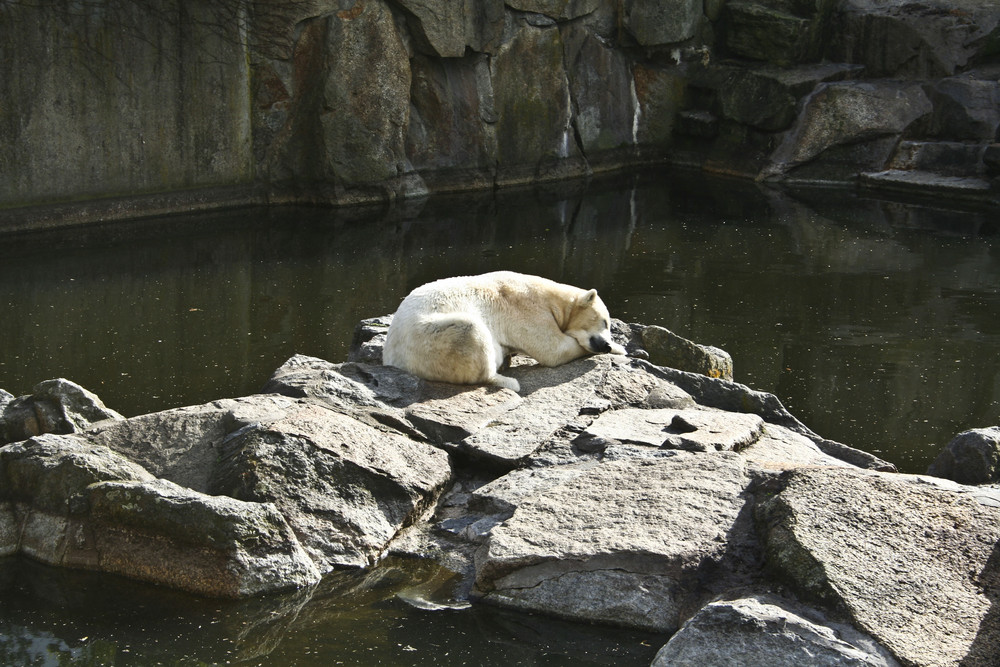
column 464, row 329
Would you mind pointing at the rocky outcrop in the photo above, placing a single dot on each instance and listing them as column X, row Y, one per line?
column 55, row 406
column 377, row 100
column 356, row 485
column 609, row 490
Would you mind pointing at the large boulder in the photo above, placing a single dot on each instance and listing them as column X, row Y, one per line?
column 848, row 127
column 665, row 348
column 209, row 545
column 660, row 22
column 913, row 566
column 445, row 28
column 345, row 487
column 65, row 501
column 914, row 39
column 621, row 542
column 54, row 406
column 345, row 483
column 972, row 457
column 966, row 106
column 776, row 32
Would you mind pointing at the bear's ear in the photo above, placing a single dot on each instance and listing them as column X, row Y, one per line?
column 587, row 298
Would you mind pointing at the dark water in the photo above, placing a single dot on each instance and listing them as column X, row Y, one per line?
column 876, row 323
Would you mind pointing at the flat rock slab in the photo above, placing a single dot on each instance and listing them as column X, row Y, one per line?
column 450, row 413
column 628, row 543
column 553, row 397
column 779, row 448
column 692, row 430
column 915, row 566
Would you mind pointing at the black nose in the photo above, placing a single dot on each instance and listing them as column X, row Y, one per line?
column 598, row 344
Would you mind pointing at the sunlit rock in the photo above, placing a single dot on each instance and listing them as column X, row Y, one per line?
column 54, row 406
column 972, row 457
column 915, row 567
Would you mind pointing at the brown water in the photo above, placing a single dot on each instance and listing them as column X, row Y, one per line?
column 877, row 324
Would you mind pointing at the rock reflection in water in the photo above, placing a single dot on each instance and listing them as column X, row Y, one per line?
column 56, row 617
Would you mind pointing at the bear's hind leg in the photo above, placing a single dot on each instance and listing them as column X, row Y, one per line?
column 459, row 349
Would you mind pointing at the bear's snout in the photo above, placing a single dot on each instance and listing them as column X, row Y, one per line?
column 599, row 345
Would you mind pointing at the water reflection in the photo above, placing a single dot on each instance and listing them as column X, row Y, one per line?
column 56, row 617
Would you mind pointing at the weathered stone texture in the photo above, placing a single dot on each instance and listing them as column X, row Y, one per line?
column 886, row 550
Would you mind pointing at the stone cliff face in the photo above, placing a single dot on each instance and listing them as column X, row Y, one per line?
column 345, row 101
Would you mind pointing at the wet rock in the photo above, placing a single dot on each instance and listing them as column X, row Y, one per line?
column 600, row 83
column 660, row 94
column 343, row 481
column 55, row 406
column 210, row 545
column 913, row 566
column 382, row 100
column 926, row 183
column 344, row 130
column 768, row 630
column 972, row 457
column 451, row 137
column 620, row 542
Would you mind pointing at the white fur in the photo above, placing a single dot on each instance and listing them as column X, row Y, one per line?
column 463, row 329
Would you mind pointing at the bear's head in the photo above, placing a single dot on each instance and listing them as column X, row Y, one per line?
column 590, row 325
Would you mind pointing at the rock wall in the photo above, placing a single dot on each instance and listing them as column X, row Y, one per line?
column 347, row 101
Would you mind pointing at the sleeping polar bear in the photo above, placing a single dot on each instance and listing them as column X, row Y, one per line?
column 463, row 329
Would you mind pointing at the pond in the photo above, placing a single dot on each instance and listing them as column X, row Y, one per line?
column 876, row 323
